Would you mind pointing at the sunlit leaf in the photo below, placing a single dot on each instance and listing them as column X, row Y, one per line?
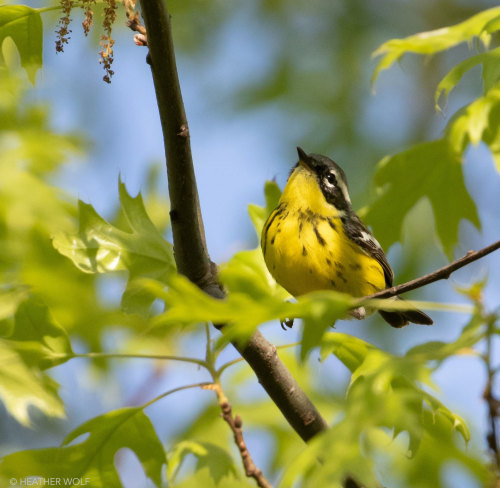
column 93, row 458
column 100, row 247
column 341, row 446
column 24, row 25
column 479, row 25
column 387, row 390
column 22, row 387
column 436, row 174
column 471, row 334
column 349, row 349
column 259, row 214
column 490, row 62
column 478, row 121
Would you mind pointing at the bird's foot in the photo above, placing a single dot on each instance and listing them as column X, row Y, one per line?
column 286, row 323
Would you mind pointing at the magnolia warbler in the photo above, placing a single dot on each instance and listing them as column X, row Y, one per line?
column 313, row 240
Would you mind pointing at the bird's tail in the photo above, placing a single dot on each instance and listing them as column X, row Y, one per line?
column 401, row 318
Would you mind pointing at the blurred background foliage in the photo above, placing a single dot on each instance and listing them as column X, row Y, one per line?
column 259, row 78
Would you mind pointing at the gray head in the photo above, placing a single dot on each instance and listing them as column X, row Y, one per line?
column 330, row 176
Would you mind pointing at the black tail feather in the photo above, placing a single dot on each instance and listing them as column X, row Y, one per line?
column 401, row 318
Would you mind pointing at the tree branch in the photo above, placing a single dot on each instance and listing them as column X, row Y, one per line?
column 440, row 274
column 187, row 226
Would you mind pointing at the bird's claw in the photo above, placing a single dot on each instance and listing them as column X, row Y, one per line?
column 286, row 323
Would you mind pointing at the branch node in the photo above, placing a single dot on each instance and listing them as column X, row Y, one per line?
column 184, row 132
column 140, row 40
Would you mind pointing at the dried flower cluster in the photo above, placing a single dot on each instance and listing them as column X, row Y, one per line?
column 107, row 41
column 63, row 33
column 110, row 7
column 89, row 15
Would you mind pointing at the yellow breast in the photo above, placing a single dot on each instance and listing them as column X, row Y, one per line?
column 306, row 249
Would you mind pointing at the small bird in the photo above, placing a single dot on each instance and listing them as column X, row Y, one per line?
column 313, row 239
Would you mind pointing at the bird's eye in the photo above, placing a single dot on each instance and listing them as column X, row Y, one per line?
column 331, row 179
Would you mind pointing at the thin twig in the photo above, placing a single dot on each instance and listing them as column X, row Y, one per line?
column 492, row 402
column 440, row 274
column 235, row 424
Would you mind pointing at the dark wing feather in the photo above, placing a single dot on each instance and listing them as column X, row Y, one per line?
column 361, row 235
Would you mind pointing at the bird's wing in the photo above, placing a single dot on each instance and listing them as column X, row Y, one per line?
column 361, row 235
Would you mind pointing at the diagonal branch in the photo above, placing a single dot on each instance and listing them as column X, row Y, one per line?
column 187, row 226
column 440, row 274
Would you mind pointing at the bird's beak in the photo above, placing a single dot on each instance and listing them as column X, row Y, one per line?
column 303, row 158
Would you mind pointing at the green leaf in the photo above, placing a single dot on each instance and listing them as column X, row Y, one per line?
column 21, row 386
column 100, row 247
column 93, row 458
column 36, row 337
column 385, row 390
column 490, row 62
column 478, row 121
column 218, row 461
column 351, row 350
column 247, row 272
column 245, row 307
column 10, row 298
column 471, row 334
column 436, row 173
column 479, row 25
column 24, row 25
column 320, row 310
column 259, row 214
column 341, row 445
column 203, row 478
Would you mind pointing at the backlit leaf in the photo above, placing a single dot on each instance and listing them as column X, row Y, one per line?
column 436, row 173
column 36, row 337
column 100, row 247
column 490, row 62
column 479, row 25
column 218, row 461
column 24, row 25
column 476, row 122
column 259, row 214
column 10, row 298
column 94, row 458
column 22, row 387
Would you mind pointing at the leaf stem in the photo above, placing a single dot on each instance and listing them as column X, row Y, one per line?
column 114, row 355
column 175, row 390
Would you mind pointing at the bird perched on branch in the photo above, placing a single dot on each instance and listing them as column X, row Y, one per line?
column 313, row 240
